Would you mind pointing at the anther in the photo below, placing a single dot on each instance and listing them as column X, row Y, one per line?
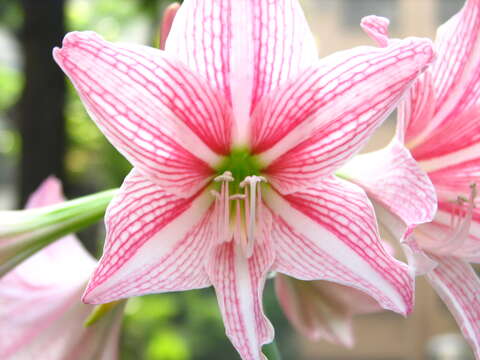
column 226, row 176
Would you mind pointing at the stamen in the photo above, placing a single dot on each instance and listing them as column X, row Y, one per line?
column 460, row 222
column 224, row 206
column 252, row 203
column 244, row 229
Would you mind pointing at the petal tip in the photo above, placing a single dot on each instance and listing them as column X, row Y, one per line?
column 376, row 27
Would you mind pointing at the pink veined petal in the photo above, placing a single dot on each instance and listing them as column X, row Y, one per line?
column 321, row 309
column 165, row 119
column 239, row 283
column 457, row 69
column 376, row 28
column 456, row 142
column 156, row 242
column 329, row 232
column 459, row 287
column 456, row 179
column 416, row 110
column 316, row 122
column 456, row 73
column 393, row 178
column 390, row 223
column 245, row 48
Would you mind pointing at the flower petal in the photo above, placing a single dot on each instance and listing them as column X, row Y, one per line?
column 393, row 178
column 456, row 179
column 377, row 28
column 459, row 287
column 48, row 193
column 452, row 233
column 156, row 242
column 167, row 21
column 458, row 141
column 239, row 283
column 321, row 309
column 457, row 70
column 166, row 120
column 40, row 308
column 329, row 232
column 316, row 122
column 245, row 48
column 416, row 110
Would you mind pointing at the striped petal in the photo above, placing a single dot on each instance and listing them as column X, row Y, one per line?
column 156, row 242
column 239, row 283
column 329, row 232
column 455, row 76
column 245, row 48
column 376, row 27
column 459, row 287
column 456, row 179
column 316, row 122
column 393, row 178
column 457, row 70
column 162, row 117
column 457, row 142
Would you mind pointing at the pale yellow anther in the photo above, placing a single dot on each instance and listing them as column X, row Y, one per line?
column 215, row 194
column 226, row 176
column 237, row 197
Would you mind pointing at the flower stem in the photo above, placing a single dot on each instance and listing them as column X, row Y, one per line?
column 24, row 232
column 271, row 351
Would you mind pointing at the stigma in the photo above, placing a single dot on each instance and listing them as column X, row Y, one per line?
column 238, row 210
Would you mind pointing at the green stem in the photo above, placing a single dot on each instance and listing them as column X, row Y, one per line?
column 29, row 231
column 271, row 351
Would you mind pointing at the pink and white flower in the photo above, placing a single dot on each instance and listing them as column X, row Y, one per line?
column 440, row 123
column 234, row 132
column 41, row 315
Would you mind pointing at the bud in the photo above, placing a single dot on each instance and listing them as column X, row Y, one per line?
column 24, row 232
column 167, row 21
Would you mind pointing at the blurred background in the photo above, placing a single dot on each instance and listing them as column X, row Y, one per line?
column 44, row 130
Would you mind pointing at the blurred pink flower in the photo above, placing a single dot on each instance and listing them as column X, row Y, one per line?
column 440, row 124
column 321, row 309
column 234, row 132
column 41, row 315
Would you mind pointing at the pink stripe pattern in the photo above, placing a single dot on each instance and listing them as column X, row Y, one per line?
column 438, row 120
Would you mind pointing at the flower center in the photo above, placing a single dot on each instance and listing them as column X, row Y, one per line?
column 238, row 200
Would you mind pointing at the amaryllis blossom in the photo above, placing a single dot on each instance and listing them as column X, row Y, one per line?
column 41, row 314
column 234, row 132
column 440, row 124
